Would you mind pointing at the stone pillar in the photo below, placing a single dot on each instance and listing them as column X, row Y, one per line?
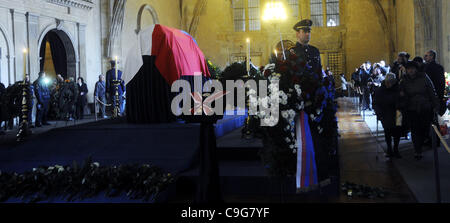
column 20, row 42
column 81, row 60
column 32, row 41
column 105, row 12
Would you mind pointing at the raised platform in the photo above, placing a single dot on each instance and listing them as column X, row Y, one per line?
column 173, row 147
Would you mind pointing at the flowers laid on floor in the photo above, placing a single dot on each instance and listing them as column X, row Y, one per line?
column 87, row 181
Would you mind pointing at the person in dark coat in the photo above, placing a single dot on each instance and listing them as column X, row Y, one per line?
column 436, row 73
column 398, row 68
column 100, row 95
column 42, row 94
column 385, row 104
column 421, row 63
column 67, row 99
column 420, row 102
column 82, row 98
column 365, row 86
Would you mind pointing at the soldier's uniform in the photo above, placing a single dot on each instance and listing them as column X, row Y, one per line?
column 309, row 53
column 111, row 90
column 324, row 144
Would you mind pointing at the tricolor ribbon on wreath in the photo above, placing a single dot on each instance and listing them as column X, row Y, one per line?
column 306, row 176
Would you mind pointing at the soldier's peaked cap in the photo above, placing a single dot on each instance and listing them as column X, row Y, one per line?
column 304, row 24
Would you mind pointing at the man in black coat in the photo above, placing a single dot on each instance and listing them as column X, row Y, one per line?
column 81, row 98
column 420, row 103
column 436, row 73
column 385, row 104
column 365, row 88
column 42, row 93
column 398, row 68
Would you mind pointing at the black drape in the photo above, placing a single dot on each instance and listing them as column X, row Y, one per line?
column 148, row 96
column 58, row 50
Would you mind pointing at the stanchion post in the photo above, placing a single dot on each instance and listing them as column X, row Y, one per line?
column 436, row 167
column 116, row 99
column 24, row 130
column 377, row 137
column 95, row 107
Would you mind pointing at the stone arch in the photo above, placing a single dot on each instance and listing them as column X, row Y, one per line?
column 9, row 52
column 69, row 45
column 65, row 31
column 152, row 11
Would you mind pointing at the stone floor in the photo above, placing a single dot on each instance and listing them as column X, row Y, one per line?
column 419, row 175
column 358, row 159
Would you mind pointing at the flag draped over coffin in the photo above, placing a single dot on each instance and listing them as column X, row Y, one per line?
column 177, row 54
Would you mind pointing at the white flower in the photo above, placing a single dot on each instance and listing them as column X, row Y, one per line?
column 262, row 113
column 264, row 102
column 285, row 114
column 291, row 146
column 253, row 100
column 96, row 164
column 51, row 168
column 291, row 112
column 34, row 169
column 251, row 92
column 294, row 151
column 297, row 87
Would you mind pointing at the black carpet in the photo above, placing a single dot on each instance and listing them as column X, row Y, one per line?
column 109, row 142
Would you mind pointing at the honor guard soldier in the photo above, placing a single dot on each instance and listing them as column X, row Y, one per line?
column 110, row 87
column 302, row 49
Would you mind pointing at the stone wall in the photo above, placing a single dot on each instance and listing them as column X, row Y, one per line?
column 405, row 26
column 168, row 13
column 360, row 36
column 24, row 23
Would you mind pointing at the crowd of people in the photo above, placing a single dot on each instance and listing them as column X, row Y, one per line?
column 59, row 99
column 406, row 97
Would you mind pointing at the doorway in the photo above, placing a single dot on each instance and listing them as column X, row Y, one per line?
column 57, row 55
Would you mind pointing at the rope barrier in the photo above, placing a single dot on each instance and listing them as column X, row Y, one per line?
column 438, row 133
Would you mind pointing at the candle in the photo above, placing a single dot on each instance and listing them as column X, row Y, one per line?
column 24, row 63
column 248, row 55
column 276, row 54
column 117, row 69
